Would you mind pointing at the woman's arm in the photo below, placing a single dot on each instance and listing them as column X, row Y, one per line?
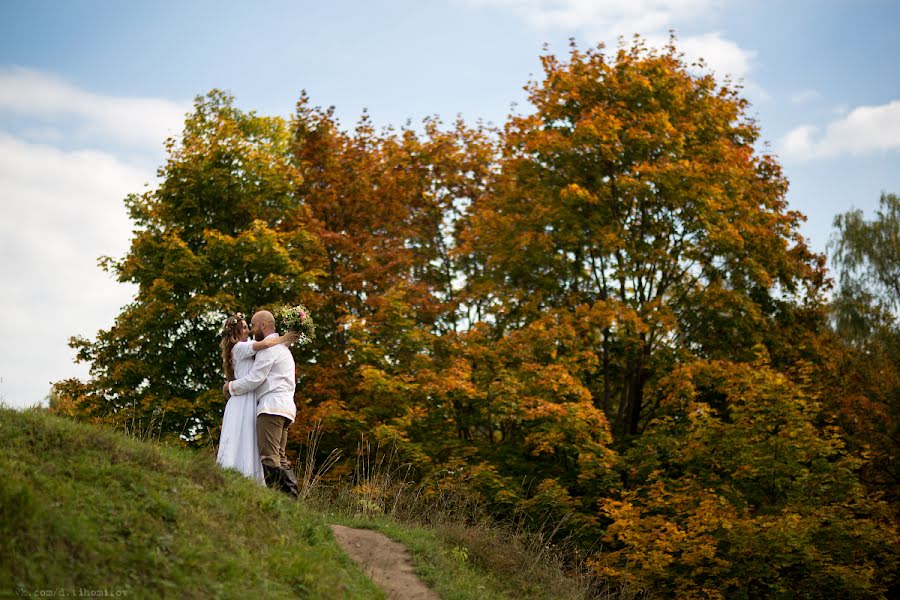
column 288, row 338
column 261, row 367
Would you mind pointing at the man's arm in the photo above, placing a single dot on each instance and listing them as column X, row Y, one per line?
column 253, row 379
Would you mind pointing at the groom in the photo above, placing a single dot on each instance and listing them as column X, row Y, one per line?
column 273, row 379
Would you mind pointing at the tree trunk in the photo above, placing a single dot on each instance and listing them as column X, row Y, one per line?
column 636, row 394
column 606, row 390
column 636, row 378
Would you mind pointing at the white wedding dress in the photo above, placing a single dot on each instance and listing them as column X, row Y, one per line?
column 237, row 444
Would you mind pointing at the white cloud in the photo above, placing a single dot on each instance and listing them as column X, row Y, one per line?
column 609, row 19
column 59, row 211
column 143, row 122
column 721, row 56
column 864, row 130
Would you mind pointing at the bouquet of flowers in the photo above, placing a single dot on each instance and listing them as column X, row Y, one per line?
column 296, row 318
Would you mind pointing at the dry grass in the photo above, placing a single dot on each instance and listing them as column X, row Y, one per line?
column 311, row 474
column 529, row 561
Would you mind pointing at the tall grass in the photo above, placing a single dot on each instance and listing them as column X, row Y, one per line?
column 450, row 530
column 311, row 473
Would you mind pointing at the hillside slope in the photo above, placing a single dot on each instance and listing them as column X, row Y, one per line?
column 87, row 511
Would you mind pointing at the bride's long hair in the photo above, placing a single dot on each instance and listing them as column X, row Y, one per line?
column 231, row 335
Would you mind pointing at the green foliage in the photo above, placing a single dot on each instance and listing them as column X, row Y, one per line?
column 861, row 380
column 867, row 257
column 222, row 233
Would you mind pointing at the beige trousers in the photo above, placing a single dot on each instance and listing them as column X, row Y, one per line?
column 271, row 438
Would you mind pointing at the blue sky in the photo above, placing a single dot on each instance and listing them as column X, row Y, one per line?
column 90, row 89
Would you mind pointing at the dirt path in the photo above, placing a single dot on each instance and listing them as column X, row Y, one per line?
column 385, row 561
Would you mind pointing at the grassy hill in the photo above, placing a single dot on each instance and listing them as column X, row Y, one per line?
column 85, row 511
column 84, row 508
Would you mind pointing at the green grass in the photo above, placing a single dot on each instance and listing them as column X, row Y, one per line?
column 448, row 570
column 454, row 564
column 85, row 508
column 458, row 550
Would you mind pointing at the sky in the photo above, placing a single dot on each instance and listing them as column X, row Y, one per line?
column 90, row 90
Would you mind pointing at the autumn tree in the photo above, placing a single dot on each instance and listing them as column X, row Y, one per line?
column 223, row 232
column 383, row 206
column 400, row 361
column 634, row 195
column 738, row 494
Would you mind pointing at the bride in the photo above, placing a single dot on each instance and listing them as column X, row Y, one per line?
column 237, row 444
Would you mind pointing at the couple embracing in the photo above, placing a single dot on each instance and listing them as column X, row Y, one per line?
column 260, row 393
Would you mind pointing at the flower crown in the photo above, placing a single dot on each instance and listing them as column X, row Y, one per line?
column 230, row 322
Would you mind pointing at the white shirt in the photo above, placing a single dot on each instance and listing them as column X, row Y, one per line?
column 273, row 378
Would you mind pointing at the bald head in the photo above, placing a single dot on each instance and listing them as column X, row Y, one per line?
column 262, row 324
